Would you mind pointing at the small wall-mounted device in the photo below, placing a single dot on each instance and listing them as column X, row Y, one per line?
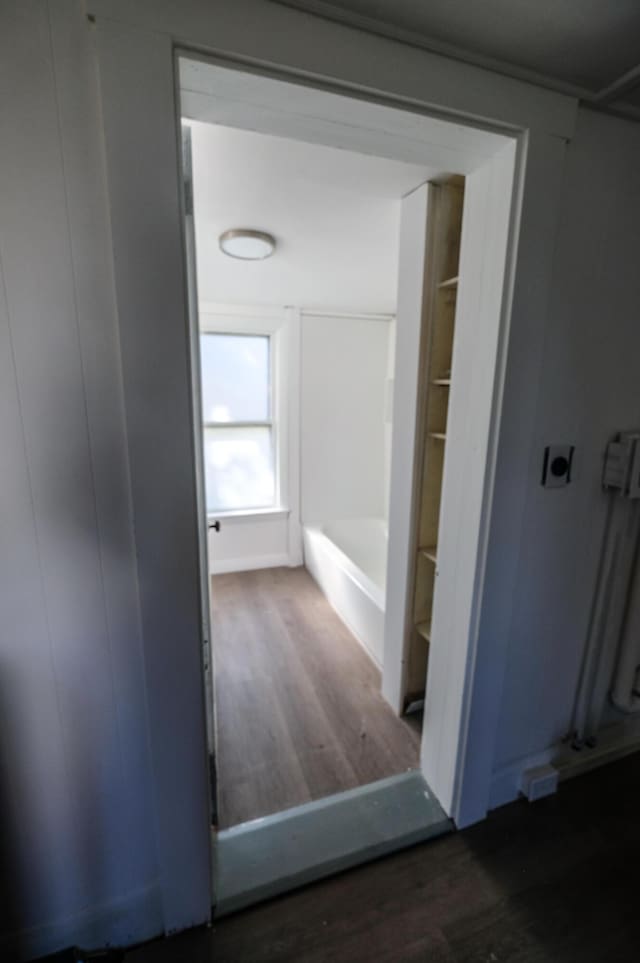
column 539, row 782
column 622, row 464
column 556, row 468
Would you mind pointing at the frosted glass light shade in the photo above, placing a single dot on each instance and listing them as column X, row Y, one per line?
column 246, row 244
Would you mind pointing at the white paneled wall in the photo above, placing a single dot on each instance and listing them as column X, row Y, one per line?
column 590, row 391
column 75, row 802
column 76, row 811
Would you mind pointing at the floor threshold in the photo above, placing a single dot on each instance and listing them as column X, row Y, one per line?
column 272, row 855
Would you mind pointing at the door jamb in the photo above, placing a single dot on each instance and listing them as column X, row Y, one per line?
column 460, row 804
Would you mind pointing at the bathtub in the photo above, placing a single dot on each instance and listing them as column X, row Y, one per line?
column 348, row 560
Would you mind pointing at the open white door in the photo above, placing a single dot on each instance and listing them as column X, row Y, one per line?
column 203, row 553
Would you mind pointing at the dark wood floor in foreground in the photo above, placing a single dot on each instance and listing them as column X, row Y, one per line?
column 299, row 710
column 552, row 882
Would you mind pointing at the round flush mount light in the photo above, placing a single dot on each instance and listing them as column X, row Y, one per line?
column 246, row 244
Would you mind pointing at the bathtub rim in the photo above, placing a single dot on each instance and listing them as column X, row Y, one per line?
column 371, row 589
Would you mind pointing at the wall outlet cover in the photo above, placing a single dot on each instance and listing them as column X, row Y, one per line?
column 556, row 468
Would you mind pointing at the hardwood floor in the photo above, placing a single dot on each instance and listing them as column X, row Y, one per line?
column 299, row 710
column 552, row 882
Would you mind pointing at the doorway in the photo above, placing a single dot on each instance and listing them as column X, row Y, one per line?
column 296, row 363
column 289, row 689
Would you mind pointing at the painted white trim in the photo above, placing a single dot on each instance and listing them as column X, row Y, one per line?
column 298, row 45
column 249, row 515
column 264, row 317
column 347, row 315
column 251, row 563
column 614, row 742
column 136, row 46
column 506, row 783
column 294, row 346
column 122, row 919
column 529, row 271
column 451, row 747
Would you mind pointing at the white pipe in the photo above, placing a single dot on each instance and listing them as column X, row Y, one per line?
column 597, row 621
column 625, row 678
column 627, row 523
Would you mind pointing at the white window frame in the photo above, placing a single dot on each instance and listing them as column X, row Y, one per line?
column 272, row 323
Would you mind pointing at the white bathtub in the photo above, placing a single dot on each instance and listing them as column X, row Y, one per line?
column 348, row 560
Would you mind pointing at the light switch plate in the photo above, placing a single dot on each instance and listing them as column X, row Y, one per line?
column 556, row 468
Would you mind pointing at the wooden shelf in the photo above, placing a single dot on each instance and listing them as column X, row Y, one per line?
column 430, row 553
column 436, row 362
column 424, row 629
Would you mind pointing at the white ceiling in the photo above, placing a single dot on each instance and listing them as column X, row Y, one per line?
column 321, row 171
column 334, row 213
column 587, row 44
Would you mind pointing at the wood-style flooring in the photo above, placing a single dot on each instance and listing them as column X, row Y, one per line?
column 551, row 882
column 298, row 706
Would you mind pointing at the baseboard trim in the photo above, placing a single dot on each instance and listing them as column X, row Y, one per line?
column 134, row 919
column 613, row 743
column 506, row 782
column 251, row 563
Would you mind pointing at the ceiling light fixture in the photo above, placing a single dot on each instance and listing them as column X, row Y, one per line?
column 246, row 244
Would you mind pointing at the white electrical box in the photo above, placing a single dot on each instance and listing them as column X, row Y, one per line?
column 540, row 782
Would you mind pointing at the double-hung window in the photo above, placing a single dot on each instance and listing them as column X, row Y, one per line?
column 237, row 403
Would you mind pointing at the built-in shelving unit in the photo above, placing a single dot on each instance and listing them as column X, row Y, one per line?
column 424, row 630
column 438, row 324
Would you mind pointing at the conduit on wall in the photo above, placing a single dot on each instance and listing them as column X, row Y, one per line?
column 611, row 664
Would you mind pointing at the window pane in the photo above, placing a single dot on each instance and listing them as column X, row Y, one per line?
column 235, row 377
column 239, row 468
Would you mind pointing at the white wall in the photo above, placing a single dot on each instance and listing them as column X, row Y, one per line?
column 388, row 412
column 252, row 541
column 342, row 409
column 332, row 402
column 334, row 214
column 588, row 392
column 77, row 813
column 79, row 808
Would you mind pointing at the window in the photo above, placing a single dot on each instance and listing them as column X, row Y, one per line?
column 237, row 404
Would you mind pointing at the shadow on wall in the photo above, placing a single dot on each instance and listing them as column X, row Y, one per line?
column 88, row 865
column 10, row 918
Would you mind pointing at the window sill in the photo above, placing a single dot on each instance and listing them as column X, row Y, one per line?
column 249, row 515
